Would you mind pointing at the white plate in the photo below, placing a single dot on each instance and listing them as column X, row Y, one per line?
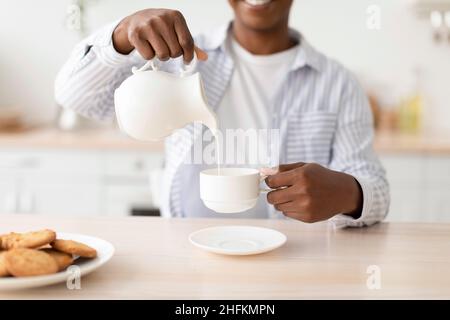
column 105, row 251
column 237, row 240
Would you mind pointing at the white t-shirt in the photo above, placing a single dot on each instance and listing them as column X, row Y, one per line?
column 246, row 104
column 248, row 101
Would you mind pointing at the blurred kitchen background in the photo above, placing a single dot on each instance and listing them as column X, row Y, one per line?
column 53, row 162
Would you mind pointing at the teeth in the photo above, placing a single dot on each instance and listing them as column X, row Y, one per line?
column 257, row 2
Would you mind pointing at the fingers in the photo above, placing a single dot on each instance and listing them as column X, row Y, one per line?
column 304, row 217
column 162, row 33
column 184, row 38
column 292, row 210
column 268, row 171
column 280, row 176
column 160, row 46
column 286, row 207
column 288, row 167
column 142, row 46
column 295, row 210
column 187, row 42
column 282, row 179
column 171, row 39
column 164, row 45
column 280, row 196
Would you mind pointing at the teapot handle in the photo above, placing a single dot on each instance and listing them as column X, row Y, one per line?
column 149, row 64
column 185, row 69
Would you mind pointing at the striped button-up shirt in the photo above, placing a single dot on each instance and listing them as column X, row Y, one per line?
column 321, row 111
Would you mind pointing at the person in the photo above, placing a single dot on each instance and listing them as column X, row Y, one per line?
column 257, row 73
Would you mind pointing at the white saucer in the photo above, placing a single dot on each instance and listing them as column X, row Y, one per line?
column 237, row 240
column 105, row 251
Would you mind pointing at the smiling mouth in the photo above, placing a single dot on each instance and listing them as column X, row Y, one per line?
column 257, row 3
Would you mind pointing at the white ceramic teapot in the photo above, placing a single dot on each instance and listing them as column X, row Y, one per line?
column 151, row 104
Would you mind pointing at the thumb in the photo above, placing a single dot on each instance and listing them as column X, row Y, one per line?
column 280, row 168
column 291, row 166
column 201, row 55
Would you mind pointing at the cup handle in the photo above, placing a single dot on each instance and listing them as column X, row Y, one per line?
column 264, row 190
column 267, row 190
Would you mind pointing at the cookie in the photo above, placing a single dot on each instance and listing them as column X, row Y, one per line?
column 63, row 260
column 3, row 271
column 74, row 247
column 27, row 240
column 23, row 262
column 46, row 246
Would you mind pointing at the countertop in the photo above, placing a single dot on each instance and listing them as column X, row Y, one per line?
column 53, row 138
column 154, row 260
column 435, row 143
column 112, row 139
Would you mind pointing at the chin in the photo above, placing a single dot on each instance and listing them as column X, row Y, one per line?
column 261, row 15
column 258, row 24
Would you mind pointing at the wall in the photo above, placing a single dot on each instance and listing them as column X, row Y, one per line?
column 34, row 43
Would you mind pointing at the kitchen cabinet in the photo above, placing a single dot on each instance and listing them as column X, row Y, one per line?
column 101, row 172
column 129, row 184
column 120, row 198
column 8, row 194
column 62, row 198
column 116, row 183
column 130, row 164
column 420, row 187
column 76, row 182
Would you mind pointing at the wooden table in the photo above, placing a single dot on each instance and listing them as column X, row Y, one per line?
column 154, row 260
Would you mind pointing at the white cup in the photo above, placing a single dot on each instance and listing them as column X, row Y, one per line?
column 234, row 190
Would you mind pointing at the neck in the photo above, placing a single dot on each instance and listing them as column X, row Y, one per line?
column 263, row 42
